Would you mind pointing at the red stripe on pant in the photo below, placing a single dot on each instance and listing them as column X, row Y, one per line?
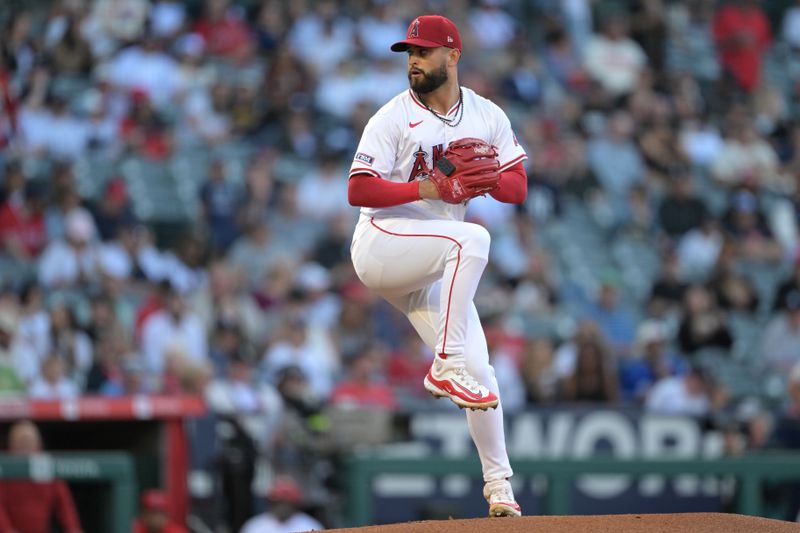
column 452, row 282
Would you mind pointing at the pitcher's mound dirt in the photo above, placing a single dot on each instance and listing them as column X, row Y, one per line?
column 645, row 523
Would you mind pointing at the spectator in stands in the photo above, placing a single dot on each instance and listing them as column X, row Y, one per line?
column 12, row 355
column 322, row 38
column 69, row 341
column 53, row 383
column 128, row 380
column 734, row 291
column 219, row 199
column 594, row 378
column 355, row 327
column 742, row 34
column 689, row 394
column 699, row 249
column 285, row 499
column 65, row 199
column 22, row 227
column 700, row 140
column 362, row 388
column 71, row 54
column 538, row 371
column 154, row 514
column 303, row 444
column 323, row 194
column 681, row 211
column 332, row 250
column 704, row 325
column 613, row 59
column 780, row 345
column 659, row 147
column 406, row 364
column 492, row 26
column 322, row 307
column 29, row 506
column 255, row 405
column 144, row 132
column 113, row 210
column 223, row 299
column 651, row 361
column 223, row 26
column 562, row 60
column 257, row 251
column 174, row 327
column 746, row 159
column 748, row 227
column 71, row 262
column 251, row 412
column 614, row 318
column 296, row 348
column 690, row 44
column 615, row 160
column 667, row 293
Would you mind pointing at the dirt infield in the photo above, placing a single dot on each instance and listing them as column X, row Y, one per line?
column 645, row 523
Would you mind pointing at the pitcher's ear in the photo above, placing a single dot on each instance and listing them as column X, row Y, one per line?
column 454, row 56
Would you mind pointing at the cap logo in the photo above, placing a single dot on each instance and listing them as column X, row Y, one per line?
column 414, row 31
column 449, row 39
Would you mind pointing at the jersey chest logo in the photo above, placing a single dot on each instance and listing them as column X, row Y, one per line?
column 420, row 165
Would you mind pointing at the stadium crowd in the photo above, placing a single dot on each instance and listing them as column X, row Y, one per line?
column 174, row 215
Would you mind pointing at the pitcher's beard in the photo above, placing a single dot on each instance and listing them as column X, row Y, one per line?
column 429, row 82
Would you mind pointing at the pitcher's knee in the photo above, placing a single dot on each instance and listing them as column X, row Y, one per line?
column 476, row 241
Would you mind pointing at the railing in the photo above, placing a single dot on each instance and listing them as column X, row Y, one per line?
column 750, row 471
column 113, row 468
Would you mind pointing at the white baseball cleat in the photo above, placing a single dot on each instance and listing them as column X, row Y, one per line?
column 449, row 379
column 501, row 499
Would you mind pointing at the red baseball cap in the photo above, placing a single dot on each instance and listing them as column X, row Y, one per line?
column 430, row 31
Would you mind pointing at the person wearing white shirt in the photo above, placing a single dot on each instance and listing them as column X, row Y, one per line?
column 323, row 194
column 298, row 349
column 74, row 260
column 53, row 384
column 284, row 516
column 323, row 39
column 174, row 328
column 492, row 27
column 615, row 60
column 680, row 395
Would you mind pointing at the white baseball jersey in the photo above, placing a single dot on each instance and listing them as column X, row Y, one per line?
column 403, row 140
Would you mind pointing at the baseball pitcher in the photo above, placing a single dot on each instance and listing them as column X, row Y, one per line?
column 421, row 158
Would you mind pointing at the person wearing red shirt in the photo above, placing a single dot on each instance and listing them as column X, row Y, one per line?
column 361, row 389
column 742, row 34
column 22, row 228
column 154, row 514
column 27, row 506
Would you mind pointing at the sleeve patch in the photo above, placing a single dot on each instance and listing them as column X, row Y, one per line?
column 364, row 158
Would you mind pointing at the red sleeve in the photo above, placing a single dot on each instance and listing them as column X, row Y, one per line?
column 369, row 191
column 513, row 185
column 65, row 508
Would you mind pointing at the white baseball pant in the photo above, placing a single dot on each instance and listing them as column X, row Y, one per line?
column 429, row 270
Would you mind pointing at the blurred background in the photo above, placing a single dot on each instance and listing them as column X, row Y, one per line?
column 174, row 224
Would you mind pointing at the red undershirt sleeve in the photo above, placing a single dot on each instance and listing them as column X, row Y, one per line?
column 364, row 190
column 513, row 185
